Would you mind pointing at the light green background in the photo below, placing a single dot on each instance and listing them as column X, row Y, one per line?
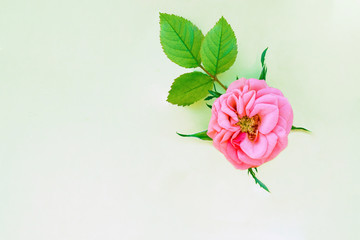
column 88, row 148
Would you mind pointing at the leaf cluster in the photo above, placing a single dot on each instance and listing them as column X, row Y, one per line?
column 184, row 44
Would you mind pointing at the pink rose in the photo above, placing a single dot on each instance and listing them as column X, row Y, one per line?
column 250, row 123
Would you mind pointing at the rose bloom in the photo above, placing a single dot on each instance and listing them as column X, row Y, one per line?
column 250, row 123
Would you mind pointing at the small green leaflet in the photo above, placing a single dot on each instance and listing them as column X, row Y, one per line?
column 215, row 93
column 189, row 88
column 181, row 40
column 201, row 135
column 209, row 106
column 208, row 98
column 263, row 73
column 300, row 129
column 257, row 181
column 219, row 49
column 264, row 67
column 263, row 57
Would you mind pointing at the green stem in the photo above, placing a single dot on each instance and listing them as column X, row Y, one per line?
column 252, row 173
column 213, row 77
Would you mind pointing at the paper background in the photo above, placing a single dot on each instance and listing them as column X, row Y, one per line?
column 88, row 148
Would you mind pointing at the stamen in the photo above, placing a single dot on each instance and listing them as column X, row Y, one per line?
column 249, row 126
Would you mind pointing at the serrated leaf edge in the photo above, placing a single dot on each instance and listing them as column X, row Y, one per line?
column 161, row 43
column 217, row 62
column 183, row 105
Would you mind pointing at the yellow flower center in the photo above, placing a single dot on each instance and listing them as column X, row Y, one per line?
column 249, row 126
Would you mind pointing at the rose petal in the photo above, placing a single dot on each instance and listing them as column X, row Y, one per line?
column 248, row 160
column 286, row 112
column 224, row 122
column 248, row 99
column 272, row 139
column 269, row 90
column 254, row 149
column 256, row 84
column 229, row 105
column 268, row 98
column 221, row 139
column 240, row 107
column 281, row 126
column 281, row 145
column 269, row 115
column 237, row 138
column 231, row 155
column 238, row 84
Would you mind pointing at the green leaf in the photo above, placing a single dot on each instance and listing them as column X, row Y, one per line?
column 181, row 40
column 208, row 98
column 263, row 73
column 257, row 181
column 263, row 56
column 189, row 88
column 209, row 106
column 300, row 129
column 264, row 67
column 215, row 93
column 202, row 135
column 218, row 50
